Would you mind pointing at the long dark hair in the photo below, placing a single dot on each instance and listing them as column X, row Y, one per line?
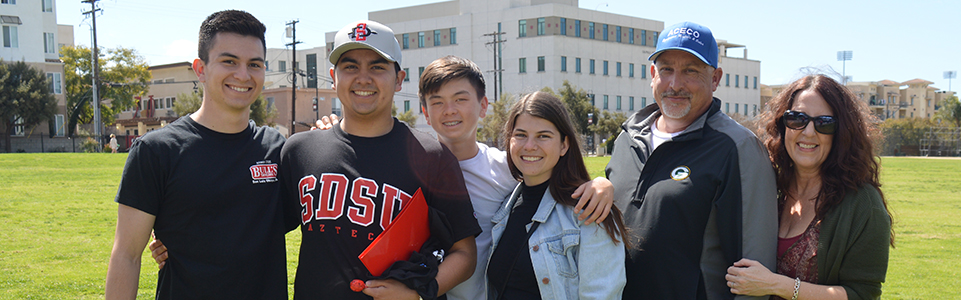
column 851, row 161
column 569, row 172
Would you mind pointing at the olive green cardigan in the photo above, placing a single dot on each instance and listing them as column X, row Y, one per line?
column 853, row 245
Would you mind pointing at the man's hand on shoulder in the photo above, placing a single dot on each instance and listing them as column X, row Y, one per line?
column 596, row 198
column 327, row 122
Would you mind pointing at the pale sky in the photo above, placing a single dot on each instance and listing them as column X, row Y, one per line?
column 896, row 40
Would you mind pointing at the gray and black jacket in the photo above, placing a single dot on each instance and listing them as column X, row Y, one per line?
column 694, row 206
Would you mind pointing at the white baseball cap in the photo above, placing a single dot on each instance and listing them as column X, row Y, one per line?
column 366, row 34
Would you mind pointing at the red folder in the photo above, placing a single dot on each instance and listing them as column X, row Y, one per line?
column 405, row 234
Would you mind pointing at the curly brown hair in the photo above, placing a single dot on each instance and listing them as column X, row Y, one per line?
column 851, row 161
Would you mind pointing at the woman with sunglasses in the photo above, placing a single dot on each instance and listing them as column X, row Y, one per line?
column 834, row 224
column 540, row 249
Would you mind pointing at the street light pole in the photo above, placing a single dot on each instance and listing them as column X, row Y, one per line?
column 843, row 57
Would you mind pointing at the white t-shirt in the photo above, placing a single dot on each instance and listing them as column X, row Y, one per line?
column 489, row 182
column 659, row 137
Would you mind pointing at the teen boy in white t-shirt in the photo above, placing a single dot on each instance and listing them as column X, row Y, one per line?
column 452, row 97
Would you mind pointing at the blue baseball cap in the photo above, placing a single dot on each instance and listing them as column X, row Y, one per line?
column 687, row 36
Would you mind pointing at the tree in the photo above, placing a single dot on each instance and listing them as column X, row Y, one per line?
column 408, row 117
column 123, row 76
column 260, row 113
column 608, row 125
column 25, row 98
column 578, row 106
column 492, row 126
column 950, row 111
column 189, row 103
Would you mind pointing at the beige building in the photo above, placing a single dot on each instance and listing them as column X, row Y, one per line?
column 889, row 99
column 155, row 109
column 546, row 42
column 29, row 33
column 279, row 98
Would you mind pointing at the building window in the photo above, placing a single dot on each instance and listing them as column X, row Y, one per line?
column 654, row 37
column 590, row 28
column 420, row 72
column 604, row 27
column 436, row 37
column 755, row 82
column 453, row 36
column 727, row 107
column 605, row 68
column 755, row 110
column 617, row 69
column 59, row 125
column 563, row 63
column 618, row 99
column 563, row 26
column 270, row 102
column 737, row 80
column 577, row 28
column 407, row 71
column 522, row 28
column 170, row 101
column 630, row 70
column 736, row 110
column 745, row 109
column 630, row 36
column 605, row 102
column 727, row 79
column 592, row 100
column 56, row 84
column 540, row 26
column 522, row 65
column 643, row 102
column 420, row 39
column 406, row 105
column 643, row 71
column 406, row 38
column 745, row 84
column 47, row 5
column 630, row 103
column 617, row 31
column 590, row 69
column 540, row 64
column 8, row 1
column 283, row 65
column 10, row 39
column 577, row 65
column 49, row 43
column 643, row 37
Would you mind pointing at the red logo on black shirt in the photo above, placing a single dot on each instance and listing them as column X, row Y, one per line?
column 263, row 172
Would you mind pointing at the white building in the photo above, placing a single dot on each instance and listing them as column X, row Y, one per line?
column 546, row 42
column 29, row 33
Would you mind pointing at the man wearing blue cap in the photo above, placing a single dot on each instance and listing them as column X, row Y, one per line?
column 696, row 188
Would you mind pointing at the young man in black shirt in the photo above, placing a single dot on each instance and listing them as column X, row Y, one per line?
column 207, row 184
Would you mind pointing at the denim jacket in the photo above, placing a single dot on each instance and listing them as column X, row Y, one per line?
column 571, row 260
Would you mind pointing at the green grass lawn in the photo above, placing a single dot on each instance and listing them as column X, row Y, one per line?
column 57, row 219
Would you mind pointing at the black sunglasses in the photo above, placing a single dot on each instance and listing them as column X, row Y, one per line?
column 798, row 121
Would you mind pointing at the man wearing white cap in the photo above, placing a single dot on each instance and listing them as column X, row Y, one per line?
column 346, row 184
column 697, row 189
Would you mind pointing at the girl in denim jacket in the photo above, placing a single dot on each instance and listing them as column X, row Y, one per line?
column 540, row 249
